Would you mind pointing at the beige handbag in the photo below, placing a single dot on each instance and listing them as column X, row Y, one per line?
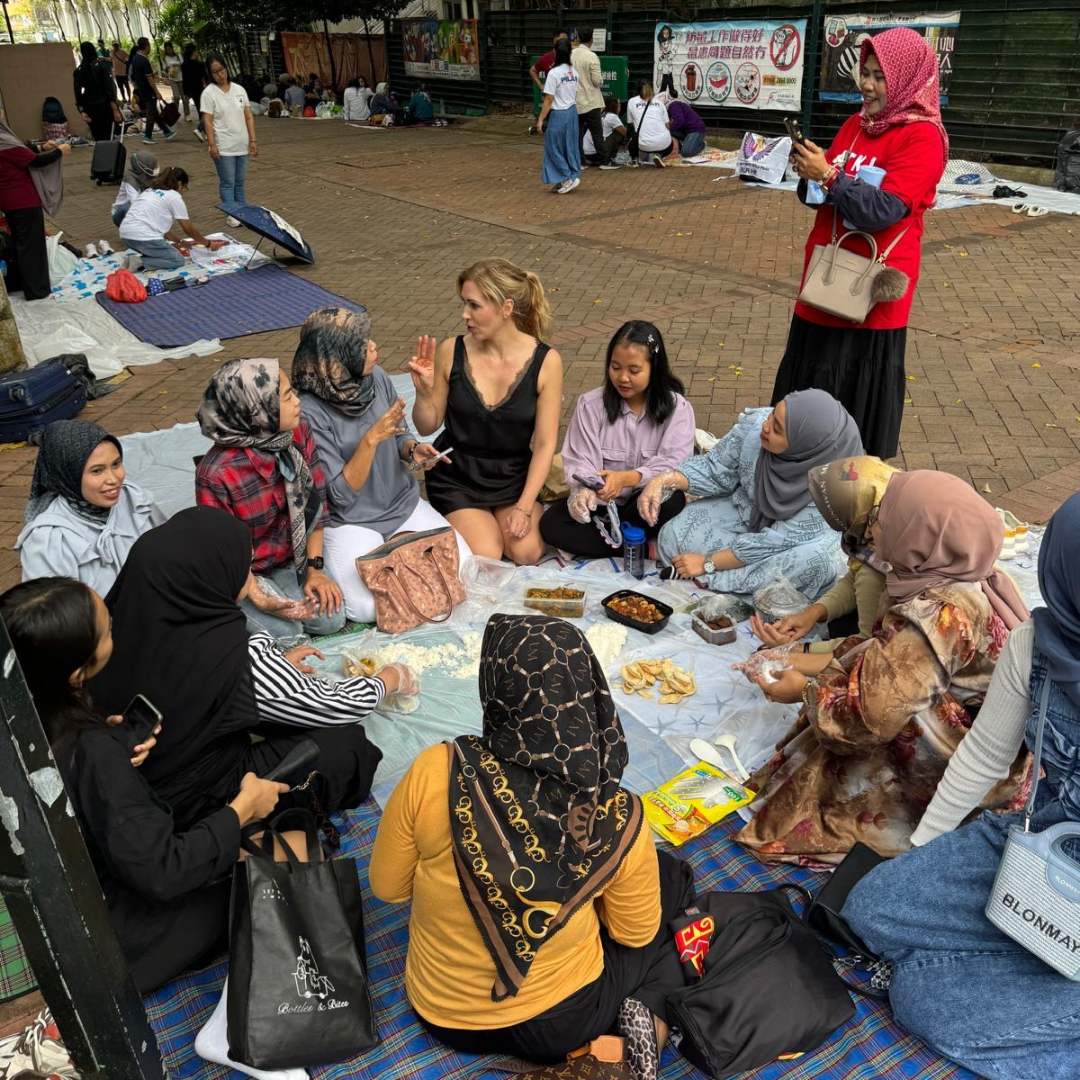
column 414, row 579
column 848, row 285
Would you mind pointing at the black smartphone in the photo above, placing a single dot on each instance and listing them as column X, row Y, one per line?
column 593, row 483
column 140, row 720
column 794, row 131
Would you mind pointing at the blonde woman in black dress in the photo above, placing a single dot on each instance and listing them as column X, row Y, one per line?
column 497, row 389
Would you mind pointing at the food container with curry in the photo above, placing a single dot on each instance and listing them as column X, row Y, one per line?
column 562, row 602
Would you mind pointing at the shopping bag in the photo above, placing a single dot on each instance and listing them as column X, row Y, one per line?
column 169, row 115
column 298, row 990
column 124, row 287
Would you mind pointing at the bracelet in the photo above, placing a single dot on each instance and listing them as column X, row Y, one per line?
column 828, row 179
column 518, row 506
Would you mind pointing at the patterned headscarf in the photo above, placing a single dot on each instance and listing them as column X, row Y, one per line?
column 66, row 446
column 819, row 430
column 331, row 356
column 538, row 819
column 846, row 492
column 934, row 530
column 912, row 81
column 241, row 408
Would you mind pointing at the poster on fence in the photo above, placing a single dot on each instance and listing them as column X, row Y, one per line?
column 441, row 50
column 748, row 64
column 844, row 35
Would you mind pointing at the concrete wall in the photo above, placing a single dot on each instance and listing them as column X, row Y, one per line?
column 31, row 73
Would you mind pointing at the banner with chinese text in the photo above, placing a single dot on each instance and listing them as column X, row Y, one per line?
column 441, row 50
column 844, row 35
column 746, row 64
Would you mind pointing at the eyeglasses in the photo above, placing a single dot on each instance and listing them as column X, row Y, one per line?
column 871, row 518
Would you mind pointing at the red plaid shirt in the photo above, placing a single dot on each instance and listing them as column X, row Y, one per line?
column 248, row 484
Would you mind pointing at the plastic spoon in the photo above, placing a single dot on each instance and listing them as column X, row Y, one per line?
column 710, row 753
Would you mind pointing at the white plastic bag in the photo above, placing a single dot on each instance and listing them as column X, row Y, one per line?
column 763, row 159
column 779, row 598
column 61, row 261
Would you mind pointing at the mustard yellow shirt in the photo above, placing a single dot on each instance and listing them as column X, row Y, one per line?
column 448, row 971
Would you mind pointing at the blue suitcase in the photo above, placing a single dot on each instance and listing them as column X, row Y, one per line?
column 33, row 398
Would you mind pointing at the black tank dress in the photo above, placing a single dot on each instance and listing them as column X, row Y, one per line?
column 492, row 447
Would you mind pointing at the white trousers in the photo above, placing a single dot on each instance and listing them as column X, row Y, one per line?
column 342, row 544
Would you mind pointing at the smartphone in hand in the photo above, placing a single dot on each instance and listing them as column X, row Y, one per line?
column 140, row 721
column 794, row 131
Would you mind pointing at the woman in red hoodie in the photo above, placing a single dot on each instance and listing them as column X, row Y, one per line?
column 899, row 130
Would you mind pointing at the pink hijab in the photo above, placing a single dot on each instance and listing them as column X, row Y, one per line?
column 911, row 80
column 935, row 530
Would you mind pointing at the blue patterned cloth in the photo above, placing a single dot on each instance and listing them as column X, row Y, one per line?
column 803, row 549
column 868, row 1047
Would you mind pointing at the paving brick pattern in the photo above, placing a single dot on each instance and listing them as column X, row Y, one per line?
column 993, row 347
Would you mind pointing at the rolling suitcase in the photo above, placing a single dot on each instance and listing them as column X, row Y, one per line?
column 35, row 397
column 110, row 159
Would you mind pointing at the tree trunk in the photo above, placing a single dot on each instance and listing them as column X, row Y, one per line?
column 78, row 24
column 371, row 56
column 330, row 50
column 58, row 15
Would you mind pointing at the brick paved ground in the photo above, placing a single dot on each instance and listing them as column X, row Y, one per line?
column 992, row 348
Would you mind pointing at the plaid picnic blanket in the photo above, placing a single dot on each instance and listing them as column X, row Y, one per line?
column 869, row 1047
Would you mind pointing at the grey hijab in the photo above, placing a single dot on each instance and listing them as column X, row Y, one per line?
column 819, row 430
column 66, row 446
column 48, row 180
column 142, row 169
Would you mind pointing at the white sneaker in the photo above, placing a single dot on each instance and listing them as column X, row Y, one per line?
column 568, row 186
column 609, row 166
column 105, row 247
column 90, row 251
column 199, row 135
column 658, row 161
column 233, row 223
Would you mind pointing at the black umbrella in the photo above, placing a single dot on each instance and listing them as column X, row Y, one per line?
column 272, row 227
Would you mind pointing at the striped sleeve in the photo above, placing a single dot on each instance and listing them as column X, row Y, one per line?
column 287, row 696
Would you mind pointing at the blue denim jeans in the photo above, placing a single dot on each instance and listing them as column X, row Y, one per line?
column 692, row 144
column 119, row 214
column 157, row 254
column 232, row 171
column 282, row 580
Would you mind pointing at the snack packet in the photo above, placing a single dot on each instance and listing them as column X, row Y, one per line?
column 691, row 801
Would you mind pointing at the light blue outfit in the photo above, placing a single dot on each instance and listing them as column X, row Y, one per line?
column 802, row 548
column 959, row 983
column 58, row 542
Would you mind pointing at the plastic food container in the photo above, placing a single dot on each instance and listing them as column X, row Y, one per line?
column 724, row 636
column 569, row 603
column 644, row 627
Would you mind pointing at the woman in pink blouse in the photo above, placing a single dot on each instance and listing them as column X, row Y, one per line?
column 634, row 427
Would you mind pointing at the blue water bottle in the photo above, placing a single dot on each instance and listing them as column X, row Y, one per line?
column 633, row 558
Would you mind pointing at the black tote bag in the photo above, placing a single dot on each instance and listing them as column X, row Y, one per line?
column 298, row 991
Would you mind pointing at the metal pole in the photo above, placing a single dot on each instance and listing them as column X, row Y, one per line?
column 56, row 903
column 7, row 19
column 811, row 67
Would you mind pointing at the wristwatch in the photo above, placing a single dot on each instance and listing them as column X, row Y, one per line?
column 316, row 563
column 709, row 567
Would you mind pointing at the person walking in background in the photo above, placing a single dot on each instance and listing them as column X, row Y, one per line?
column 174, row 73
column 195, row 80
column 562, row 145
column 119, row 59
column 95, row 94
column 590, row 100
column 147, row 94
column 899, row 130
column 230, row 133
column 687, row 128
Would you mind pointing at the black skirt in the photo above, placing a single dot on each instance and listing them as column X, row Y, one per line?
column 862, row 369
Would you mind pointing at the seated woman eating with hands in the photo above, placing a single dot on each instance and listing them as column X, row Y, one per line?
column 634, row 427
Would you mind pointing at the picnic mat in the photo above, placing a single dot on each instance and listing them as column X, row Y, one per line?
column 869, row 1047
column 231, row 306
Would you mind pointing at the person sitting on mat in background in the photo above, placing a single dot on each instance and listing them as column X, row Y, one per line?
column 30, row 185
column 419, row 108
column 614, row 131
column 498, row 391
column 142, row 171
column 369, row 456
column 540, row 906
column 294, row 97
column 634, row 427
column 687, row 128
column 157, row 224
column 385, row 104
column 357, row 99
column 83, row 516
column 95, row 95
column 264, row 468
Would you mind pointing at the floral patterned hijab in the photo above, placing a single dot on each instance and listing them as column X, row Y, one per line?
column 538, row 819
column 241, row 408
column 331, row 358
column 912, row 82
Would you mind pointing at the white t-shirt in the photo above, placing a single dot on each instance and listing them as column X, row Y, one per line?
column 357, row 102
column 226, row 109
column 652, row 131
column 562, row 84
column 127, row 194
column 610, row 122
column 172, row 68
column 152, row 214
